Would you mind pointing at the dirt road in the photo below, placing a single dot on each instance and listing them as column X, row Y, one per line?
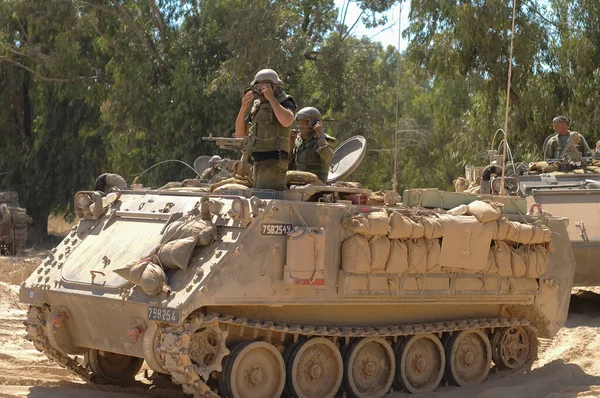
column 569, row 365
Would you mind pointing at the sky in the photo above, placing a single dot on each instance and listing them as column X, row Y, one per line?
column 385, row 36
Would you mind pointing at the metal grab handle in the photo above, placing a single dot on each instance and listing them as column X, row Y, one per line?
column 93, row 273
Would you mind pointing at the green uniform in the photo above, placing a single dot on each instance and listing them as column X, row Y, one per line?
column 268, row 141
column 557, row 143
column 209, row 174
column 313, row 155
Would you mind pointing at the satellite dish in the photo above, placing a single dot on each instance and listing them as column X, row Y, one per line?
column 346, row 158
column 201, row 163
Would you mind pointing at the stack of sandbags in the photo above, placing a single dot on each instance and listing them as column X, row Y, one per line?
column 526, row 234
column 526, row 261
column 147, row 275
column 367, row 249
column 396, row 244
column 544, row 167
column 186, row 227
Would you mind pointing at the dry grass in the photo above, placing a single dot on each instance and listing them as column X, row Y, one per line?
column 15, row 270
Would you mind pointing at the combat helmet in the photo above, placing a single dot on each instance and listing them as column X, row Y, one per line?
column 308, row 113
column 214, row 160
column 267, row 74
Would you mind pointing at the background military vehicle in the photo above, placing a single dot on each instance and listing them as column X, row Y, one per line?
column 571, row 192
column 259, row 293
column 13, row 223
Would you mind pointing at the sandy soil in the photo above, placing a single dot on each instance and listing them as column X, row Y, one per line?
column 569, row 365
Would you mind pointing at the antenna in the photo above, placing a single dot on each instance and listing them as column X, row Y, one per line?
column 395, row 165
column 512, row 36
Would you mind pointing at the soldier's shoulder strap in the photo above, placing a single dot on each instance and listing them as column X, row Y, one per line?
column 254, row 109
column 282, row 97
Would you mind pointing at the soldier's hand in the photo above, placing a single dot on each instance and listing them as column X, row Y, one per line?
column 247, row 99
column 319, row 129
column 267, row 91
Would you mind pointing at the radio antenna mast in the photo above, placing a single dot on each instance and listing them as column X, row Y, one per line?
column 512, row 36
column 395, row 162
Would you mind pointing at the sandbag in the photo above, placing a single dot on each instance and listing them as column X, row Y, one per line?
column 203, row 229
column 397, row 262
column 484, row 211
column 519, row 233
column 432, row 228
column 177, row 253
column 231, row 186
column 502, row 255
column 492, row 267
column 547, row 234
column 400, row 226
column 127, row 271
column 356, row 254
column 380, row 250
column 537, row 261
column 135, row 272
column 503, row 226
column 519, row 268
column 154, row 280
column 149, row 276
column 434, row 249
column 417, row 256
column 523, row 285
column 418, row 231
column 537, row 235
column 301, row 177
column 544, row 167
column 358, row 224
column 458, row 210
column 378, row 223
column 231, row 180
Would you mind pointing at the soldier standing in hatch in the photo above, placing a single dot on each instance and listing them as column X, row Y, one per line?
column 312, row 149
column 557, row 142
column 267, row 127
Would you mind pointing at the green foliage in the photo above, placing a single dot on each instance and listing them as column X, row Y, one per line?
column 89, row 86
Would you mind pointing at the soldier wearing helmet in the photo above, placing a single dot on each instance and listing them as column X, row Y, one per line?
column 214, row 168
column 267, row 127
column 312, row 149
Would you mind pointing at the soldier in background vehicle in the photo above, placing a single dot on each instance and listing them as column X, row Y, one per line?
column 312, row 148
column 267, row 127
column 556, row 143
column 214, row 168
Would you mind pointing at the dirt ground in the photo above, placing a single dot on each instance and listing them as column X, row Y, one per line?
column 568, row 365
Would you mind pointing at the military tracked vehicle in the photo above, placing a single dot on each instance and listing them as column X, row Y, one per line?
column 13, row 223
column 256, row 293
column 572, row 192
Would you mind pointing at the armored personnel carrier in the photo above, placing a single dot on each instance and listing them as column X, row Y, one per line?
column 13, row 223
column 258, row 293
column 572, row 192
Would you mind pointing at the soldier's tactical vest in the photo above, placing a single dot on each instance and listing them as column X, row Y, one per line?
column 266, row 133
column 306, row 157
column 559, row 148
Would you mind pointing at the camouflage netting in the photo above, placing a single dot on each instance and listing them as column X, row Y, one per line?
column 479, row 242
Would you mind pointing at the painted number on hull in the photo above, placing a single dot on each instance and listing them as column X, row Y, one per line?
column 163, row 314
column 276, row 229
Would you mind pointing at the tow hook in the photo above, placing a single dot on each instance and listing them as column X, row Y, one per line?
column 58, row 320
column 134, row 335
